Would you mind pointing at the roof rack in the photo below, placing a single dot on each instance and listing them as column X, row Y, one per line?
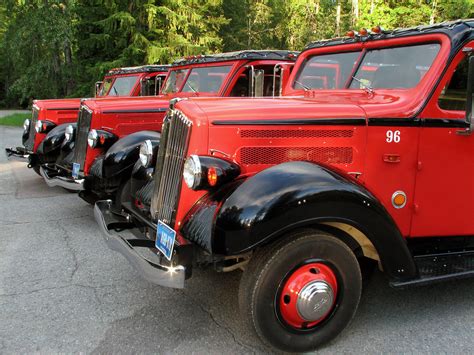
column 450, row 28
column 149, row 68
column 245, row 54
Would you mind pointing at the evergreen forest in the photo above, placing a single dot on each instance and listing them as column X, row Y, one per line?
column 52, row 49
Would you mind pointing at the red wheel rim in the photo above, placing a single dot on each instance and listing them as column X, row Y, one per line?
column 308, row 295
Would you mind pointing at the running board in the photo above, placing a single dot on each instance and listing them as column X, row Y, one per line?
column 440, row 267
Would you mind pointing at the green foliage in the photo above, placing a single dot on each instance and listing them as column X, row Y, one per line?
column 15, row 119
column 192, row 27
column 59, row 48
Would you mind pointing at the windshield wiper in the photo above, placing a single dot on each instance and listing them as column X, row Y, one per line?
column 115, row 90
column 366, row 87
column 305, row 88
column 192, row 89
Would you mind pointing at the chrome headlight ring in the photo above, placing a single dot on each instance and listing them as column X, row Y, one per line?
column 92, row 138
column 192, row 172
column 38, row 126
column 146, row 153
column 26, row 124
column 69, row 133
column 44, row 126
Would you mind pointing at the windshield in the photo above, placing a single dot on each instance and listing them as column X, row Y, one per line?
column 206, row 79
column 330, row 71
column 385, row 68
column 395, row 68
column 105, row 87
column 175, row 81
column 123, row 85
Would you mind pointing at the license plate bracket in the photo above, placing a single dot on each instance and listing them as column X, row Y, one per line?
column 165, row 238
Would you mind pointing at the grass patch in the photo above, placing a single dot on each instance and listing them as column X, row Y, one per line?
column 15, row 119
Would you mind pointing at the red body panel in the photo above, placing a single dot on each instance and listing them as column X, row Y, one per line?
column 109, row 115
column 61, row 111
column 57, row 111
column 445, row 172
column 341, row 145
column 123, row 123
column 432, row 166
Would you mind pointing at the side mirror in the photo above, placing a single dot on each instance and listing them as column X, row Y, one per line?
column 97, row 86
column 469, row 98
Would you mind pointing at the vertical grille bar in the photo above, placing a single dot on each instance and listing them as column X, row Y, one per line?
column 169, row 166
column 30, row 142
column 83, row 127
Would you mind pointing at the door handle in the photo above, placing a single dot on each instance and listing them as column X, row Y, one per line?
column 391, row 158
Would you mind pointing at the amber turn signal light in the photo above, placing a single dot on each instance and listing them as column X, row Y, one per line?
column 377, row 29
column 351, row 33
column 399, row 199
column 212, row 176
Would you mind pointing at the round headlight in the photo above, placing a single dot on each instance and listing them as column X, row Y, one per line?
column 146, row 153
column 26, row 124
column 92, row 138
column 192, row 172
column 38, row 126
column 69, row 133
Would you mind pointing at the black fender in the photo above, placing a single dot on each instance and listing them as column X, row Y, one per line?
column 264, row 207
column 124, row 153
column 53, row 140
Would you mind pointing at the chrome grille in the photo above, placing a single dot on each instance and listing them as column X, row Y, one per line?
column 30, row 142
column 82, row 131
column 169, row 166
column 145, row 193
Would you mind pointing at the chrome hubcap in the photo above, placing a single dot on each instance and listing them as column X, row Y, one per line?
column 315, row 300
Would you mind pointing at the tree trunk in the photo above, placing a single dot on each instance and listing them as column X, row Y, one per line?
column 355, row 12
column 338, row 18
column 68, row 63
column 433, row 13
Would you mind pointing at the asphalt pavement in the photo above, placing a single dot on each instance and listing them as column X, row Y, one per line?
column 62, row 290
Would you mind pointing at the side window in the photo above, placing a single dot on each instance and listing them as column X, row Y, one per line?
column 105, row 87
column 453, row 95
column 241, row 87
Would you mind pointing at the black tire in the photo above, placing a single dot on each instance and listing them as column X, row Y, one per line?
column 268, row 271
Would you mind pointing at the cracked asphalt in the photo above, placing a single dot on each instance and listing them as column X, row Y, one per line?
column 62, row 290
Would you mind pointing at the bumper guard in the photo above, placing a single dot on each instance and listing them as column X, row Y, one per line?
column 152, row 271
column 65, row 182
column 19, row 153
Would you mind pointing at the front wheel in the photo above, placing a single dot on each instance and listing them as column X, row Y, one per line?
column 301, row 292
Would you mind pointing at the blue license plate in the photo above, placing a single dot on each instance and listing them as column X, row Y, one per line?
column 75, row 170
column 165, row 237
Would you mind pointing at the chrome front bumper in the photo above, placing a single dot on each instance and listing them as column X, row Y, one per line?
column 18, row 153
column 61, row 181
column 167, row 276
